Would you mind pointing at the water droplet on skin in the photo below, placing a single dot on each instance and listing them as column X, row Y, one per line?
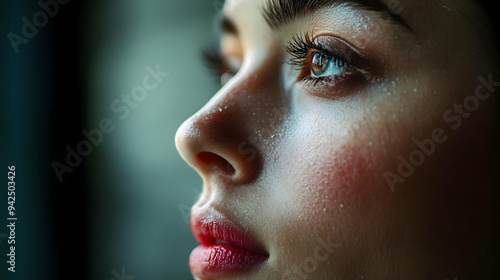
column 220, row 109
column 341, row 205
column 370, row 143
column 415, row 90
column 388, row 93
column 324, row 209
column 374, row 107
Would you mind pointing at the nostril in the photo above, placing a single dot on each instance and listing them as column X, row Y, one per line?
column 217, row 161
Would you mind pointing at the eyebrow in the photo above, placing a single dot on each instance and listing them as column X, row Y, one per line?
column 281, row 12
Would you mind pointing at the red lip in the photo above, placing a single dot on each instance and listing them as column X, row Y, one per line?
column 212, row 259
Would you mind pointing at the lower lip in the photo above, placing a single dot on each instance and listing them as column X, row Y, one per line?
column 218, row 259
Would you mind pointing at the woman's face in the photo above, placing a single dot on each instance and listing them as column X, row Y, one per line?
column 333, row 145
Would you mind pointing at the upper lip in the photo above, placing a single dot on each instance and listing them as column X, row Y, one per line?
column 209, row 226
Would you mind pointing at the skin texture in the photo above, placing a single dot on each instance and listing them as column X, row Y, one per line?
column 310, row 160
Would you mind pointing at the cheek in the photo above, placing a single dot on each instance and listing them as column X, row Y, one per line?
column 323, row 189
column 332, row 173
column 331, row 177
column 324, row 177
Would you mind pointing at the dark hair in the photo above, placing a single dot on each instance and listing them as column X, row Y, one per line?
column 490, row 9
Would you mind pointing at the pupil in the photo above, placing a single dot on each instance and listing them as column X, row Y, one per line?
column 319, row 63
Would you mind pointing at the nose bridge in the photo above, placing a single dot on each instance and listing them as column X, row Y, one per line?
column 224, row 138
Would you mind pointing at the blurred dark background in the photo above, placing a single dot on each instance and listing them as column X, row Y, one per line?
column 123, row 209
column 108, row 205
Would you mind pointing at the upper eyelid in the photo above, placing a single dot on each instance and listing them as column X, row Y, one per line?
column 300, row 46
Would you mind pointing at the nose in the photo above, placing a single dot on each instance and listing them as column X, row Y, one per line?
column 219, row 140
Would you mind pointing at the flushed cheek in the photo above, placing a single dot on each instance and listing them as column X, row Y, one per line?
column 332, row 173
column 320, row 194
column 323, row 176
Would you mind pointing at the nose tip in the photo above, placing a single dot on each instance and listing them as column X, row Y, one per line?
column 216, row 146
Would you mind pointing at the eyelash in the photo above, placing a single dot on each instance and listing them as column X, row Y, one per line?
column 215, row 62
column 302, row 48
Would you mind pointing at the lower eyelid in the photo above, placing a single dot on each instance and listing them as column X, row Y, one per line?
column 334, row 86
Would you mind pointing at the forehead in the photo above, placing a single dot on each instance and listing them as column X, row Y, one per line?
column 429, row 19
column 280, row 13
column 416, row 12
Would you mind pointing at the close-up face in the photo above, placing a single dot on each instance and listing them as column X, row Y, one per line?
column 349, row 140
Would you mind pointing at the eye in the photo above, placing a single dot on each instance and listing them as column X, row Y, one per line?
column 223, row 69
column 319, row 64
column 323, row 58
column 323, row 64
